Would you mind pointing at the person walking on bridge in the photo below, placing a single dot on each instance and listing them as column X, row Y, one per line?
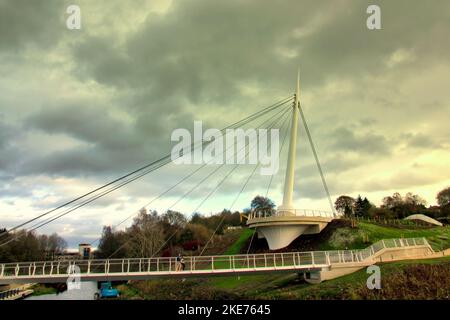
column 178, row 264
column 182, row 263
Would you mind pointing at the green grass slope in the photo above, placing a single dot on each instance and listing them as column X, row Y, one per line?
column 367, row 233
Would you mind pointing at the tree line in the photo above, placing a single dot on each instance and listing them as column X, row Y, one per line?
column 30, row 246
column 395, row 206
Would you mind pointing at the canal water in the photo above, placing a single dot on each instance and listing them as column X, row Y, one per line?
column 86, row 292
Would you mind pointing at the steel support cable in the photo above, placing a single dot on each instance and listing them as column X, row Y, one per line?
column 131, row 179
column 184, row 179
column 251, row 241
column 281, row 150
column 240, row 191
column 175, row 232
column 218, row 168
column 256, row 167
column 93, row 198
column 271, row 178
column 168, row 160
column 249, row 118
column 319, row 167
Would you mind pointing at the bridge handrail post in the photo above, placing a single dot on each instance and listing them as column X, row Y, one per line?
column 382, row 242
column 312, row 258
column 265, row 260
column 57, row 267
column 212, row 263
column 3, row 270
column 157, row 264
column 89, row 267
column 282, row 259
column 128, row 265
column 327, row 254
column 149, row 264
column 254, row 261
column 51, row 268
column 414, row 241
column 123, row 264
column 274, row 261
column 140, row 264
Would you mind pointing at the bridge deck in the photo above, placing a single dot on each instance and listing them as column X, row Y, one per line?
column 195, row 266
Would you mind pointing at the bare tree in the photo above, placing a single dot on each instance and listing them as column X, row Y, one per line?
column 146, row 235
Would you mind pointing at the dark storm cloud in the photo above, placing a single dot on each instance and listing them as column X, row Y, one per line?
column 200, row 52
column 182, row 52
column 344, row 139
column 109, row 144
column 420, row 140
column 25, row 23
column 9, row 152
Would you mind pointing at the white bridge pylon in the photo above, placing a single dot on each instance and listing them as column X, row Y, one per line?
column 288, row 223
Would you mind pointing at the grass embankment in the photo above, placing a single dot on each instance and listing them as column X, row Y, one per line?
column 41, row 289
column 231, row 282
column 367, row 233
column 236, row 247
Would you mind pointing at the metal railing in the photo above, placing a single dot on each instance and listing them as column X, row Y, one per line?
column 296, row 212
column 202, row 264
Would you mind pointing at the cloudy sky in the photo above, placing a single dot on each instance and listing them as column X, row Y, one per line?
column 79, row 108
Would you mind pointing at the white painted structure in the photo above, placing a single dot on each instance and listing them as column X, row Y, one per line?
column 288, row 223
column 328, row 264
column 424, row 218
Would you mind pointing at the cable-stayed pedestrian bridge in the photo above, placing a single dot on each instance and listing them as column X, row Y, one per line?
column 279, row 226
column 325, row 263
